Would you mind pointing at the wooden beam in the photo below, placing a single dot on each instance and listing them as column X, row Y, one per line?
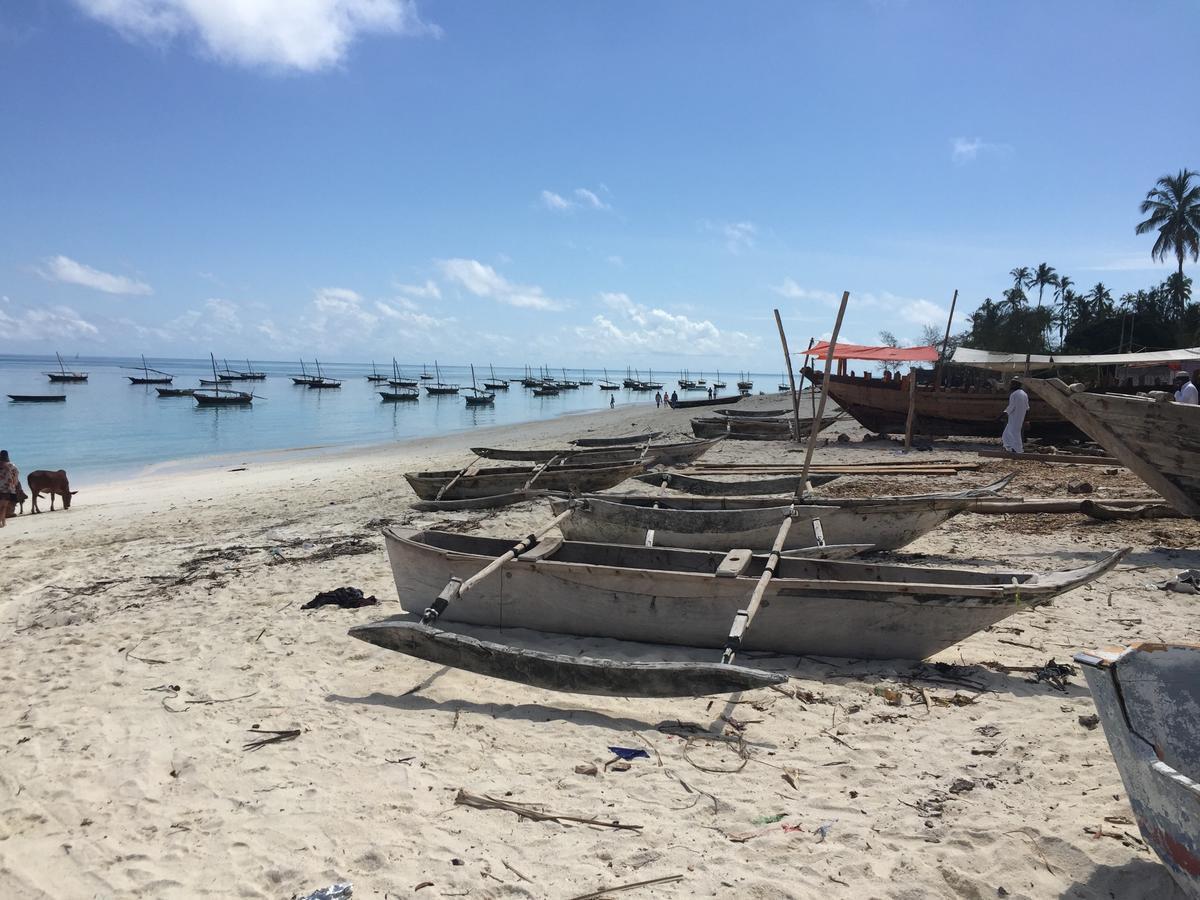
column 912, row 408
column 1078, row 459
column 937, row 375
column 787, row 359
column 820, row 414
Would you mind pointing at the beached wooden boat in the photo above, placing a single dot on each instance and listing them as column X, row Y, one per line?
column 62, row 376
column 709, row 401
column 651, row 454
column 688, row 597
column 1159, row 440
column 706, row 487
column 720, row 523
column 754, row 429
column 882, row 407
column 37, row 398
column 616, row 441
column 753, row 413
column 175, row 392
column 1148, row 698
column 498, row 480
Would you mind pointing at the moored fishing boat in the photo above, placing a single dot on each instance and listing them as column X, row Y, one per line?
column 375, row 377
column 175, row 392
column 687, row 597
column 1157, row 438
column 399, row 395
column 438, row 387
column 219, row 396
column 37, row 398
column 496, row 480
column 149, row 376
column 321, row 382
column 1148, row 698
column 476, row 397
column 494, row 383
column 62, row 376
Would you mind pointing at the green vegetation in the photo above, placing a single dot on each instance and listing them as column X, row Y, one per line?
column 1091, row 321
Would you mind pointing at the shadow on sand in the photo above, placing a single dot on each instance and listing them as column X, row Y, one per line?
column 1138, row 879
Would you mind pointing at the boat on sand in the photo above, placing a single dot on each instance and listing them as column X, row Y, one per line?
column 473, row 482
column 1148, row 698
column 688, row 597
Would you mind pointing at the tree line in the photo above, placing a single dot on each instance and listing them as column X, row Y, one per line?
column 1046, row 311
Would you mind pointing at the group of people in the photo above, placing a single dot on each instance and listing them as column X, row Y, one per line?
column 1018, row 406
column 660, row 398
column 10, row 487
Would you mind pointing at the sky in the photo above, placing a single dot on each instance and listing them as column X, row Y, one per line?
column 616, row 183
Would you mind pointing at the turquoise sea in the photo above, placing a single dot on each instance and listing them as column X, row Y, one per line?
column 110, row 428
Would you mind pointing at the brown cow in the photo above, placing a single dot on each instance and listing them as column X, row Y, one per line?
column 52, row 483
column 19, row 505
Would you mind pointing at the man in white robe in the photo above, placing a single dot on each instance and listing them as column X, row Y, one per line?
column 1018, row 405
column 1186, row 391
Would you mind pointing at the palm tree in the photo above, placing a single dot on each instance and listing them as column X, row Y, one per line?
column 1021, row 277
column 1178, row 288
column 1101, row 298
column 1014, row 299
column 1043, row 275
column 1173, row 209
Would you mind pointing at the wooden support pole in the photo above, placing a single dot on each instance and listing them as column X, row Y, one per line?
column 787, row 359
column 816, row 429
column 937, row 376
column 912, row 408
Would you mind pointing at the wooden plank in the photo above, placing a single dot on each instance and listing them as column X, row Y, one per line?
column 1079, row 459
column 787, row 359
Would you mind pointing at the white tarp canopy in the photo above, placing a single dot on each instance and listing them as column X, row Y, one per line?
column 1015, row 362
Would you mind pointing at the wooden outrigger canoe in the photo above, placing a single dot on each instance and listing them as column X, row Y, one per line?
column 882, row 407
column 1149, row 703
column 752, row 522
column 1159, row 440
column 687, row 598
column 753, row 429
column 501, row 480
column 752, row 414
column 709, row 401
column 706, row 487
column 651, row 454
column 616, row 441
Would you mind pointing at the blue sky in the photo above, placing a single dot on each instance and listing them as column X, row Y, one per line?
column 582, row 184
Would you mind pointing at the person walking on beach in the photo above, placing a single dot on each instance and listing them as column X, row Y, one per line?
column 10, row 486
column 612, row 402
column 657, row 399
column 1186, row 391
column 1018, row 405
column 674, row 398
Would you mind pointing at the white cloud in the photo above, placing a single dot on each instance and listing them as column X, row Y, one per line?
column 427, row 291
column 738, row 236
column 965, row 150
column 793, row 291
column 556, row 202
column 923, row 312
column 54, row 323
column 583, row 199
column 484, row 281
column 217, row 319
column 307, row 35
column 64, row 269
column 634, row 328
column 615, row 260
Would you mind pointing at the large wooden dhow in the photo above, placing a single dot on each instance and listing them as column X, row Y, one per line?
column 719, row 523
column 1148, row 698
column 688, row 597
column 882, row 407
column 1158, row 439
column 494, row 481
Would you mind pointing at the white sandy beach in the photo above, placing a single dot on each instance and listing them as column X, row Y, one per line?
column 150, row 627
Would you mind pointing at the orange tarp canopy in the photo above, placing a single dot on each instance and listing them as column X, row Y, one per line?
column 874, row 354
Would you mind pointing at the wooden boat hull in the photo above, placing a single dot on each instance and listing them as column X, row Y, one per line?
column 754, row 429
column 1148, row 698
column 402, row 383
column 712, row 401
column 496, row 385
column 507, row 479
column 556, row 672
column 440, row 389
column 69, row 378
column 752, row 414
column 687, row 484
column 616, row 441
column 884, row 409
column 665, row 596
column 133, row 380
column 206, row 399
column 398, row 396
column 324, row 385
column 655, row 454
column 37, row 398
column 1158, row 441
column 887, row 526
column 175, row 392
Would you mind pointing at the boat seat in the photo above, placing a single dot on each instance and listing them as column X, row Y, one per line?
column 734, row 563
column 543, row 549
